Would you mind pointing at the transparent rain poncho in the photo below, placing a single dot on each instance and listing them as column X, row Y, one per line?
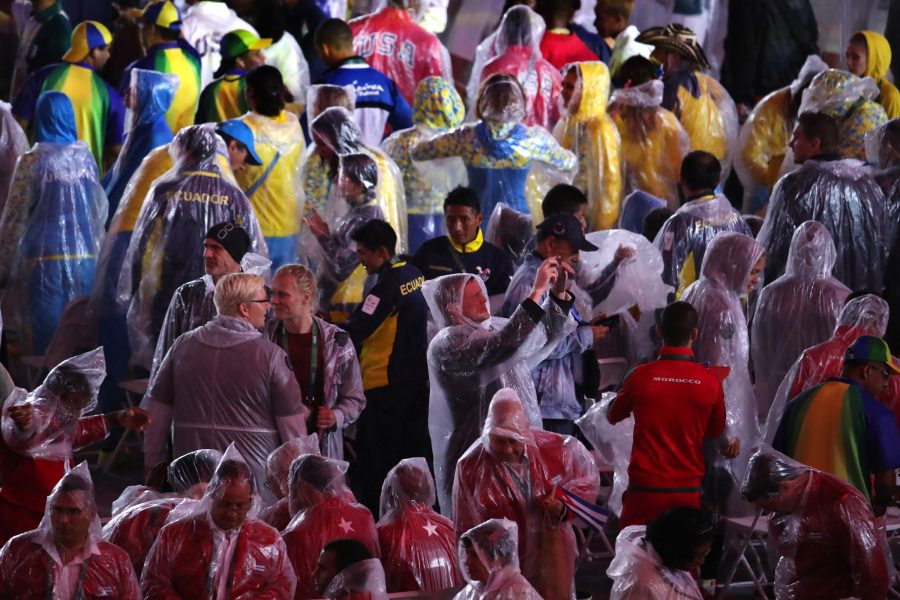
column 364, row 580
column 150, row 94
column 850, row 100
column 518, row 52
column 437, row 109
column 394, row 44
column 13, row 144
column 684, row 238
column 493, row 544
column 166, row 249
column 52, row 226
column 763, row 141
column 848, row 202
column 510, row 230
column 653, row 141
column 612, row 443
column 489, row 485
column 796, row 311
column 637, row 571
column 278, row 467
column 68, row 392
column 134, row 528
column 469, row 361
column 829, row 545
column 590, row 133
column 865, row 315
column 321, row 513
column 418, row 546
column 30, row 564
column 724, row 341
column 323, row 96
column 505, row 160
column 188, row 559
column 335, row 134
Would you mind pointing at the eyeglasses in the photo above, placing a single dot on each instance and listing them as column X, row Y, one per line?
column 267, row 299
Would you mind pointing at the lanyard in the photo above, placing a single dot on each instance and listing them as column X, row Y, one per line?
column 79, row 587
column 313, row 356
column 211, row 588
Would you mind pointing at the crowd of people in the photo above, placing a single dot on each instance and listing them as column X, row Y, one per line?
column 397, row 326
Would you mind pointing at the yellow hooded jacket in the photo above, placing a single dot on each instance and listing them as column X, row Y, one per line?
column 764, row 139
column 708, row 118
column 878, row 52
column 591, row 134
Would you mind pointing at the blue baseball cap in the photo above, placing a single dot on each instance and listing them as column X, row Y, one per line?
column 239, row 131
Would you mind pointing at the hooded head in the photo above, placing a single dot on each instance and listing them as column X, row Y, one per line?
column 232, row 496
column 54, row 121
column 591, row 93
column 279, row 461
column 407, row 484
column 363, row 580
column 314, row 479
column 150, row 95
column 506, row 431
column 488, row 548
column 336, row 132
column 450, row 302
column 501, row 99
column 520, row 27
column 437, row 105
column 70, row 517
column 194, row 145
column 834, row 92
column 774, row 482
column 729, row 259
column 812, row 252
column 877, row 54
column 869, row 313
column 812, row 67
column 190, row 474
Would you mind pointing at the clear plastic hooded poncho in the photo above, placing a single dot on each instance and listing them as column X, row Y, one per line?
column 13, row 144
column 489, row 483
column 166, row 249
column 68, row 392
column 626, row 46
column 612, row 443
column 335, row 134
column 505, row 160
column 518, row 53
column 437, row 108
column 30, row 564
column 469, row 361
column 864, row 315
column 418, row 546
column 364, row 580
column 637, row 571
column 763, row 141
column 796, row 311
column 394, row 44
column 52, row 226
column 851, row 101
column 653, row 141
column 830, row 545
column 150, row 94
column 510, row 230
column 493, row 544
column 323, row 96
column 724, row 341
column 849, row 203
column 590, row 133
column 187, row 559
column 278, row 466
column 322, row 510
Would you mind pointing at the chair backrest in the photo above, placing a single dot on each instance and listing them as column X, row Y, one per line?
column 612, row 371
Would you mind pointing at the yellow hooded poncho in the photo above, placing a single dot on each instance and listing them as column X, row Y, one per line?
column 710, row 119
column 589, row 132
column 878, row 52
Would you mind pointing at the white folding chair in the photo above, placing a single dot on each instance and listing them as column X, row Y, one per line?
column 754, row 532
column 134, row 391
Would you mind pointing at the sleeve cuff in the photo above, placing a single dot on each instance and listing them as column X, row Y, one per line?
column 533, row 309
column 565, row 304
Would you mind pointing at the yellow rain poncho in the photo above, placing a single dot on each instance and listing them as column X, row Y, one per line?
column 878, row 52
column 653, row 141
column 589, row 132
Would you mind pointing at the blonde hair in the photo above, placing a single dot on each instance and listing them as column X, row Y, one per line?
column 302, row 276
column 234, row 289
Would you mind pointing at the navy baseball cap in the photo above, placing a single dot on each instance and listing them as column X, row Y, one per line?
column 239, row 131
column 566, row 227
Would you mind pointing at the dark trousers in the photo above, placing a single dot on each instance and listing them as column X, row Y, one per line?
column 393, row 426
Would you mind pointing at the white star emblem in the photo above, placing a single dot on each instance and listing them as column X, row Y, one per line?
column 431, row 528
column 345, row 526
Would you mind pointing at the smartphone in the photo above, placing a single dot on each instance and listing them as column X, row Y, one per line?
column 609, row 321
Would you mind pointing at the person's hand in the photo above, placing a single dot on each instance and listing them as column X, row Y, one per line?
column 623, row 253
column 551, row 506
column 544, row 278
column 22, row 416
column 132, row 418
column 732, row 448
column 599, row 332
column 325, row 418
column 564, row 273
column 317, row 226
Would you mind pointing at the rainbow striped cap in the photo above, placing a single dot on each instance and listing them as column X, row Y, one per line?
column 163, row 14
column 869, row 348
column 87, row 36
column 240, row 41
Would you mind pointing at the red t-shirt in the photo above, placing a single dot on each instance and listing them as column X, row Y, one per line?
column 560, row 49
column 676, row 403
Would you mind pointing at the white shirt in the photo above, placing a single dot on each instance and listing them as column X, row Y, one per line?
column 67, row 578
column 203, row 27
column 224, row 545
